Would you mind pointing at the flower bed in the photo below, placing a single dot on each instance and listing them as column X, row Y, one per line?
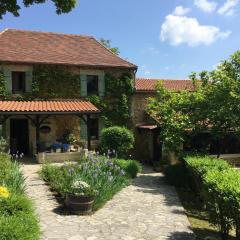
column 17, row 218
column 105, row 177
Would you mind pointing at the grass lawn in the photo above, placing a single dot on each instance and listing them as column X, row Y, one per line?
column 197, row 217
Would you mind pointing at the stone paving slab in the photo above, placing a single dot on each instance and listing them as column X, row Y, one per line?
column 146, row 210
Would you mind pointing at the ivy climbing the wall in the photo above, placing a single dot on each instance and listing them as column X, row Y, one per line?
column 50, row 82
column 4, row 95
column 115, row 106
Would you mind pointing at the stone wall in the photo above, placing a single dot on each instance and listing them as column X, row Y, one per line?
column 143, row 147
column 139, row 104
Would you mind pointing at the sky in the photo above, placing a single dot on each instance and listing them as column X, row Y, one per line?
column 164, row 38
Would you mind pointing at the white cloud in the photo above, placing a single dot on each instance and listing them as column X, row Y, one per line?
column 145, row 70
column 228, row 7
column 181, row 29
column 180, row 10
column 206, row 5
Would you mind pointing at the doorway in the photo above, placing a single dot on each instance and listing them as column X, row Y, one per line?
column 19, row 136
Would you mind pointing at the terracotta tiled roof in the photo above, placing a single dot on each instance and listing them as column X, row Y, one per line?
column 48, row 106
column 54, row 48
column 148, row 85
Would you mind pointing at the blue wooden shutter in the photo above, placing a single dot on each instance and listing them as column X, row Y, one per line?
column 8, row 79
column 83, row 130
column 101, row 85
column 83, row 79
column 28, row 81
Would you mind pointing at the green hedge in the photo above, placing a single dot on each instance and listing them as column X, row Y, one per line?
column 219, row 185
column 17, row 218
column 131, row 167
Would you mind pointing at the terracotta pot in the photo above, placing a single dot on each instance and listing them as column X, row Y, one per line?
column 80, row 205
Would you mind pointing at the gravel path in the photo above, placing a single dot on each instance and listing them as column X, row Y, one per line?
column 147, row 210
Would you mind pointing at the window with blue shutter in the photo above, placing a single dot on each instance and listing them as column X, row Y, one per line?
column 28, row 83
column 8, row 79
column 83, row 80
column 101, row 86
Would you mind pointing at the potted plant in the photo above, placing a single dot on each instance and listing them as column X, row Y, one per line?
column 80, row 197
column 71, row 140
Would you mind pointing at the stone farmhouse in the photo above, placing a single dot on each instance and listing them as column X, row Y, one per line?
column 33, row 122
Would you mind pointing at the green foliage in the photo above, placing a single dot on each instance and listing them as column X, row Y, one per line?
column 131, row 167
column 4, row 95
column 19, row 227
column 116, row 138
column 51, row 82
column 15, row 180
column 14, row 205
column 13, row 7
column 107, row 44
column 223, row 199
column 213, row 106
column 220, row 188
column 115, row 106
column 3, row 145
column 102, row 174
column 5, row 167
column 16, row 211
column 57, row 178
column 201, row 165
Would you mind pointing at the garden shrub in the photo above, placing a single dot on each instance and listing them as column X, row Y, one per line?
column 5, row 167
column 14, row 205
column 19, row 227
column 15, row 180
column 17, row 218
column 219, row 185
column 117, row 138
column 223, row 199
column 57, row 177
column 198, row 167
column 131, row 167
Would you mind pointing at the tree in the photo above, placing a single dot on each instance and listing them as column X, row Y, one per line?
column 214, row 105
column 107, row 44
column 62, row 6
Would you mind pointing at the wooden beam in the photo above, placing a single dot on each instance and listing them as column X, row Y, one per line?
column 37, row 120
column 88, row 132
column 4, row 119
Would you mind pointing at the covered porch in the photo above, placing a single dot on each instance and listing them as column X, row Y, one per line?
column 32, row 127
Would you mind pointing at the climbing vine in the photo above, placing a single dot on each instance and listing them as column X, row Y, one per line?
column 51, row 82
column 4, row 95
column 115, row 106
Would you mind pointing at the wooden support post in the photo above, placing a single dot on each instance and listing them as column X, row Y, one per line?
column 37, row 132
column 88, row 133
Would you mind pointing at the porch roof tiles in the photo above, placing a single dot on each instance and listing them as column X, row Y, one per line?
column 58, row 106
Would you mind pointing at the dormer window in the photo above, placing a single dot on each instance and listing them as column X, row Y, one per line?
column 92, row 85
column 18, row 82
